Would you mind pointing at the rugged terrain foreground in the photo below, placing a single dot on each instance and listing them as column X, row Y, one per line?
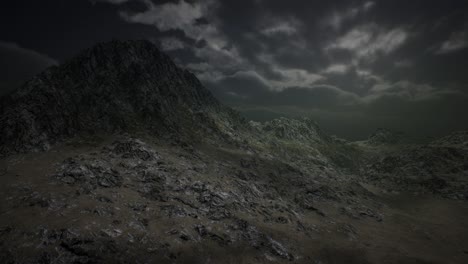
column 119, row 156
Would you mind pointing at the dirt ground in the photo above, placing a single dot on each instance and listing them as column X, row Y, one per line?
column 45, row 221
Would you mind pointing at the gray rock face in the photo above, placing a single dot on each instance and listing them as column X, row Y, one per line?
column 118, row 85
column 302, row 130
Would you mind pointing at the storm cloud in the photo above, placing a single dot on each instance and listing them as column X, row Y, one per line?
column 352, row 65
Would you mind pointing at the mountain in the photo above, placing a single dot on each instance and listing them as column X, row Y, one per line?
column 303, row 130
column 457, row 139
column 383, row 137
column 439, row 167
column 118, row 85
column 121, row 156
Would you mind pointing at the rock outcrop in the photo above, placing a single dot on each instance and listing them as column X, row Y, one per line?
column 301, row 130
column 458, row 139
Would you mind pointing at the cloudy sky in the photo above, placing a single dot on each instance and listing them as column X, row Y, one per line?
column 353, row 66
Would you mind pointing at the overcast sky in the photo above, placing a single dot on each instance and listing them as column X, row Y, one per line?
column 353, row 66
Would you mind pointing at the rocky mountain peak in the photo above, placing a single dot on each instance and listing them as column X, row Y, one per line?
column 111, row 86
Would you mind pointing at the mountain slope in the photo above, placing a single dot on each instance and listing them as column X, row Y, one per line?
column 113, row 86
column 144, row 165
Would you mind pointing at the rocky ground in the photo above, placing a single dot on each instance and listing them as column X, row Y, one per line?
column 137, row 199
column 119, row 156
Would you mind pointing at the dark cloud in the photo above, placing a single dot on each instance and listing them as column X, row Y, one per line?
column 18, row 64
column 116, row 2
column 352, row 65
column 456, row 42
